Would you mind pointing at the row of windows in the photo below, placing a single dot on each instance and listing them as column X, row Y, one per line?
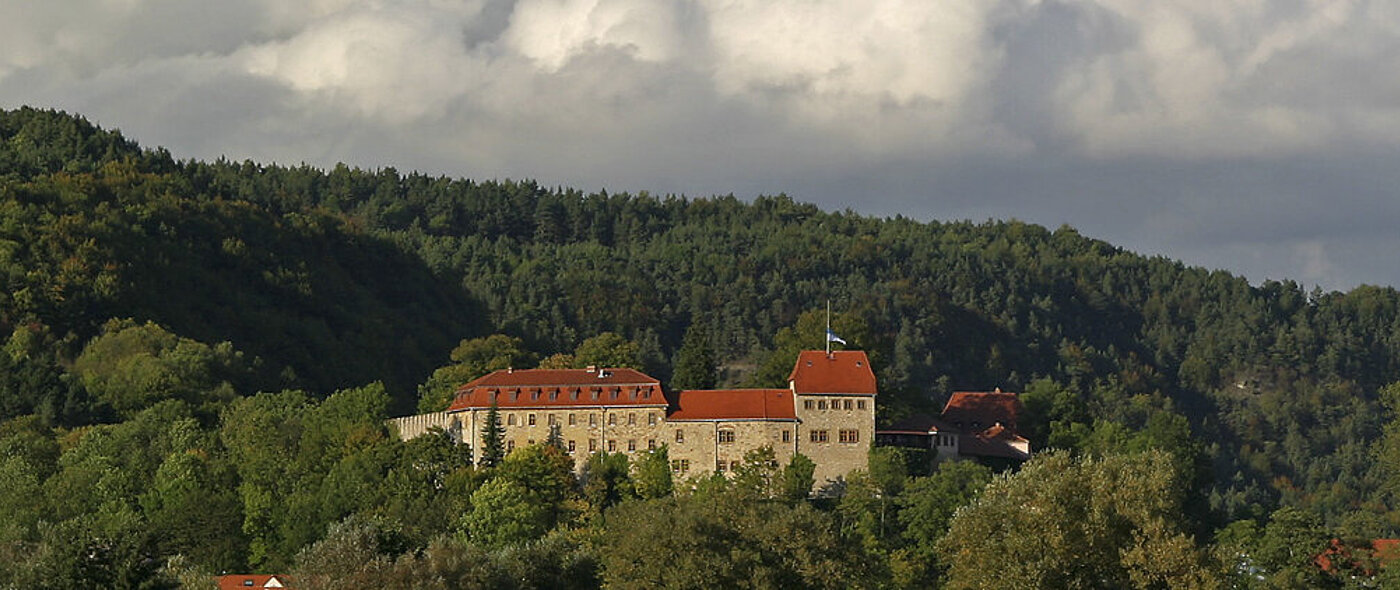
column 845, row 436
column 595, row 393
column 835, row 404
column 593, row 445
column 529, row 419
column 726, row 436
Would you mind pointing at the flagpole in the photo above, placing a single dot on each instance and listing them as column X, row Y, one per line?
column 827, row 335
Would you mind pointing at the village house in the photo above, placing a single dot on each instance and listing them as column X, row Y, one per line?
column 251, row 582
column 973, row 425
column 827, row 413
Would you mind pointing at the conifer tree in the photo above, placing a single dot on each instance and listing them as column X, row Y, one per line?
column 695, row 362
column 492, row 438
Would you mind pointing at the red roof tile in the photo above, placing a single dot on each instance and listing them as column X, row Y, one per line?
column 843, row 371
column 974, row 412
column 734, row 404
column 255, row 581
column 532, row 388
column 1383, row 551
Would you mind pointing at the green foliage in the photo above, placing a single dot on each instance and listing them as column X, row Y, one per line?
column 727, row 540
column 492, row 438
column 1063, row 522
column 131, row 366
column 808, row 332
column 607, row 350
column 504, row 512
column 471, row 359
column 651, row 474
column 606, row 481
column 797, row 480
column 695, row 366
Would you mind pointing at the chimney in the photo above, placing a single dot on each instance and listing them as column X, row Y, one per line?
column 510, row 369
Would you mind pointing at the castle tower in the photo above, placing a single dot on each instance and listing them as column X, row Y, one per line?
column 834, row 401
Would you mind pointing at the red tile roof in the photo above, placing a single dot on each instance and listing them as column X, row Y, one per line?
column 974, row 412
column 733, row 404
column 843, row 371
column 533, row 388
column 1383, row 551
column 255, row 581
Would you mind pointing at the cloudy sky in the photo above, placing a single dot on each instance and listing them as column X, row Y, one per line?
column 1257, row 136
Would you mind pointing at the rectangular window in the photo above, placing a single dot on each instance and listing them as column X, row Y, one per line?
column 846, row 404
column 530, row 442
column 631, row 445
column 651, row 444
column 818, row 436
column 553, row 420
column 571, row 418
column 592, row 445
column 808, row 404
column 532, row 419
column 571, row 446
column 612, row 446
column 651, row 418
column 612, row 419
column 860, row 404
column 631, row 419
column 510, row 446
column 821, row 404
column 680, row 435
column 787, row 436
column 719, row 466
column 849, row 436
column 726, row 436
column 510, row 420
column 592, row 419
column 680, row 465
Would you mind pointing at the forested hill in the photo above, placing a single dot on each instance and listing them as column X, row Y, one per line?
column 322, row 280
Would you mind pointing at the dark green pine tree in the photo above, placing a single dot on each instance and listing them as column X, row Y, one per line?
column 492, row 438
column 695, row 361
column 555, row 438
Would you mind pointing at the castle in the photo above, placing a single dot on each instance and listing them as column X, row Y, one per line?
column 826, row 413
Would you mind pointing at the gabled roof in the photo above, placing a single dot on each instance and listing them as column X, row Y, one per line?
column 534, row 388
column 842, row 371
column 733, row 404
column 255, row 581
column 975, row 411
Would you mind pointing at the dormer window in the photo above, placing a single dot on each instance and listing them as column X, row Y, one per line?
column 535, row 395
column 553, row 395
column 573, row 395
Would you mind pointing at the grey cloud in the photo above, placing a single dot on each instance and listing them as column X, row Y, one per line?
column 1255, row 137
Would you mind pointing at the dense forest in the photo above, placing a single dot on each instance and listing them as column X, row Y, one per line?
column 198, row 358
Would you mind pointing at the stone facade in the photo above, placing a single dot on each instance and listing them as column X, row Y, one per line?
column 836, row 433
column 584, row 430
column 701, row 447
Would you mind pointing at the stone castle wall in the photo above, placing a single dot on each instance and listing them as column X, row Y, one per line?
column 824, row 418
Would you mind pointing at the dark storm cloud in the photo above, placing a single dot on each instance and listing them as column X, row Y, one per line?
column 1256, row 137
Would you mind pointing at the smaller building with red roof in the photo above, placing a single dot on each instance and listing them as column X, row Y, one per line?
column 972, row 425
column 252, row 581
